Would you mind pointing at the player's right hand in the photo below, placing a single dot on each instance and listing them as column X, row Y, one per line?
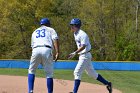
column 56, row 57
column 71, row 55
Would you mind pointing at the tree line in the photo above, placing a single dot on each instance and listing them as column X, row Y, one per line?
column 112, row 25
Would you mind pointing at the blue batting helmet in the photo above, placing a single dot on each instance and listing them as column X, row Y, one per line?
column 76, row 22
column 44, row 21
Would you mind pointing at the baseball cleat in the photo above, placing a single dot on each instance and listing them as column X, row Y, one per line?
column 109, row 87
column 31, row 91
column 70, row 92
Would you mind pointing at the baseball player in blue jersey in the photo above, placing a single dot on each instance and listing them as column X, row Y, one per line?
column 84, row 63
column 43, row 40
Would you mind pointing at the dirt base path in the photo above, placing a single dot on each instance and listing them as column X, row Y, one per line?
column 18, row 84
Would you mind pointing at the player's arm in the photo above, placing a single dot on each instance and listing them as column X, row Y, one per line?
column 76, row 52
column 55, row 44
column 80, row 49
column 56, row 47
column 82, row 46
column 83, row 40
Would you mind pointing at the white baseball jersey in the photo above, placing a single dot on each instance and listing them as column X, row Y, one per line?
column 43, row 36
column 82, row 38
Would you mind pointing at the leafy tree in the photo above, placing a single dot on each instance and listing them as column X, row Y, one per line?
column 112, row 25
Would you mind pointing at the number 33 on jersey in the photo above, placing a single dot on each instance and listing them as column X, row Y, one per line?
column 40, row 33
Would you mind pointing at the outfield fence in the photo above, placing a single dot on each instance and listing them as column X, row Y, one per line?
column 100, row 65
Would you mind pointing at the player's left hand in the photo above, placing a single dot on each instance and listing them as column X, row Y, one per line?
column 71, row 55
column 56, row 57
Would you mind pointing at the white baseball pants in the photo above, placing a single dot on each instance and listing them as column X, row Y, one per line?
column 43, row 56
column 84, row 63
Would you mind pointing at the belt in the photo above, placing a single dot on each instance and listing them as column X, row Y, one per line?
column 43, row 46
column 84, row 52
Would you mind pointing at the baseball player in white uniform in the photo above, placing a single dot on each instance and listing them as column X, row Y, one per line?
column 84, row 63
column 43, row 40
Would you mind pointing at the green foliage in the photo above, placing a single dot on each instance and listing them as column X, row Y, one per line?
column 112, row 25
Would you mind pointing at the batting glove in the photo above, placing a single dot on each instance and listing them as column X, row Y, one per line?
column 71, row 55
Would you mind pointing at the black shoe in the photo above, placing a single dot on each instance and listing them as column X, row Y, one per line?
column 70, row 92
column 109, row 87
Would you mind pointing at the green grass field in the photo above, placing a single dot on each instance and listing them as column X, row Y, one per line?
column 126, row 81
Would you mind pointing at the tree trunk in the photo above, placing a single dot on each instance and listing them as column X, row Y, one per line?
column 114, row 20
column 24, row 41
column 137, row 10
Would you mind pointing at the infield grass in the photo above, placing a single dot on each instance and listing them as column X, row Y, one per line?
column 126, row 81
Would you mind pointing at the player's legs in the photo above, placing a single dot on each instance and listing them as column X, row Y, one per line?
column 47, row 62
column 49, row 75
column 34, row 62
column 78, row 73
column 91, row 72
